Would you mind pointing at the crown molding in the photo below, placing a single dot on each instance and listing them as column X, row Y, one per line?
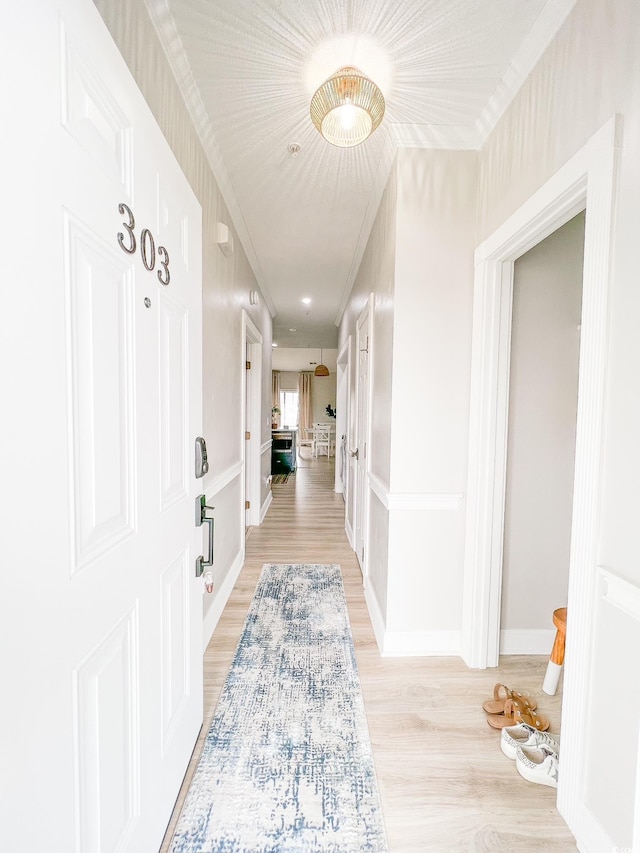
column 449, row 137
column 549, row 21
column 398, row 134
column 379, row 183
column 164, row 25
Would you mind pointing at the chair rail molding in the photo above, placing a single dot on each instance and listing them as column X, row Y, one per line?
column 413, row 501
column 220, row 482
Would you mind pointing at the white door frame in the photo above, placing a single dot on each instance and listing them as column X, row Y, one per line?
column 252, row 344
column 343, row 371
column 588, row 180
column 361, row 460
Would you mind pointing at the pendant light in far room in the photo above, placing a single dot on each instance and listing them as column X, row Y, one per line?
column 321, row 369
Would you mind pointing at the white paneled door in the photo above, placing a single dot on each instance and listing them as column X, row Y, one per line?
column 101, row 612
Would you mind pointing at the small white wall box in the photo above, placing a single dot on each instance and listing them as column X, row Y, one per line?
column 224, row 238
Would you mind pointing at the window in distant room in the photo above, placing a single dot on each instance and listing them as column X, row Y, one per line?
column 289, row 406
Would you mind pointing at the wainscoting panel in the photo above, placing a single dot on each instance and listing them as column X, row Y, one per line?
column 175, row 668
column 101, row 378
column 107, row 716
column 608, row 811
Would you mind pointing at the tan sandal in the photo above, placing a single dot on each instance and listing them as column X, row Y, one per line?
column 501, row 695
column 516, row 712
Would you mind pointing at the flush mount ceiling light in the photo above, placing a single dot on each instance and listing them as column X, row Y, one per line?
column 321, row 369
column 347, row 108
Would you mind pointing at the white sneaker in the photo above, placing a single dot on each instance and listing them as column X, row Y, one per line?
column 538, row 764
column 525, row 735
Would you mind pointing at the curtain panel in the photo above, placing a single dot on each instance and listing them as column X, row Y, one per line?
column 304, row 402
column 275, row 394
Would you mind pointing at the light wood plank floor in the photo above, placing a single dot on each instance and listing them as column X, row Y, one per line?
column 445, row 785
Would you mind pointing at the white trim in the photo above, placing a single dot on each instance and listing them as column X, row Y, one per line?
column 398, row 135
column 349, row 531
column 222, row 597
column 266, row 447
column 413, row 501
column 380, row 180
column 408, row 643
column 216, row 485
column 362, row 462
column 551, row 18
column 421, row 644
column 375, row 614
column 167, row 32
column 265, row 506
column 441, row 136
column 620, row 593
column 588, row 179
column 514, row 641
column 343, row 374
column 252, row 346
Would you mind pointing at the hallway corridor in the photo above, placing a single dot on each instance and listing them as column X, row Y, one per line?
column 444, row 783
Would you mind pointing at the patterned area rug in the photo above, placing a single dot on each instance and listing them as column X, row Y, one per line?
column 287, row 764
column 278, row 479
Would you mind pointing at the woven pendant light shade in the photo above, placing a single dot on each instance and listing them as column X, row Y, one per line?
column 347, row 108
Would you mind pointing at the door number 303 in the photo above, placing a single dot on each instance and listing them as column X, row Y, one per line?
column 129, row 244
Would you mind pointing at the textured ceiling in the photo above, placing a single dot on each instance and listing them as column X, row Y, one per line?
column 248, row 68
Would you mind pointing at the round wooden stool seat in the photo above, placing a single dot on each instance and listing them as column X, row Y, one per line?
column 556, row 660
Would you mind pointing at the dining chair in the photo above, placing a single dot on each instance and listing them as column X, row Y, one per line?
column 307, row 439
column 322, row 438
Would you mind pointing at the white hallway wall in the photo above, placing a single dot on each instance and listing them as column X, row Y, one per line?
column 589, row 73
column 419, row 265
column 227, row 282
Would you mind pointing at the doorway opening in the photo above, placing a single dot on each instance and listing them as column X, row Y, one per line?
column 587, row 180
column 542, row 414
column 251, row 421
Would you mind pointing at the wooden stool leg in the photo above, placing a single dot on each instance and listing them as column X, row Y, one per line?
column 551, row 678
column 554, row 667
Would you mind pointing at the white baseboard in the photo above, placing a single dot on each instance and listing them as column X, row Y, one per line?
column 265, row 506
column 409, row 643
column 421, row 644
column 222, row 596
column 527, row 642
column 375, row 614
column 349, row 532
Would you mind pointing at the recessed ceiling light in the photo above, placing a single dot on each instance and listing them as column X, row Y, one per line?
column 293, row 330
column 306, row 300
column 274, row 344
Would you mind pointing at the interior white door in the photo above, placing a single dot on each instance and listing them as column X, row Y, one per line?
column 101, row 609
column 363, row 338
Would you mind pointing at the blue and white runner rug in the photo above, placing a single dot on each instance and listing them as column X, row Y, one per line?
column 287, row 764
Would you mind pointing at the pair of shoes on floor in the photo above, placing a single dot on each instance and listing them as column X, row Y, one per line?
column 511, row 707
column 536, row 753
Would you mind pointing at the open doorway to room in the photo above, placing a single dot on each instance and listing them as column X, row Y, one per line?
column 586, row 181
column 343, row 372
column 251, row 419
column 542, row 412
